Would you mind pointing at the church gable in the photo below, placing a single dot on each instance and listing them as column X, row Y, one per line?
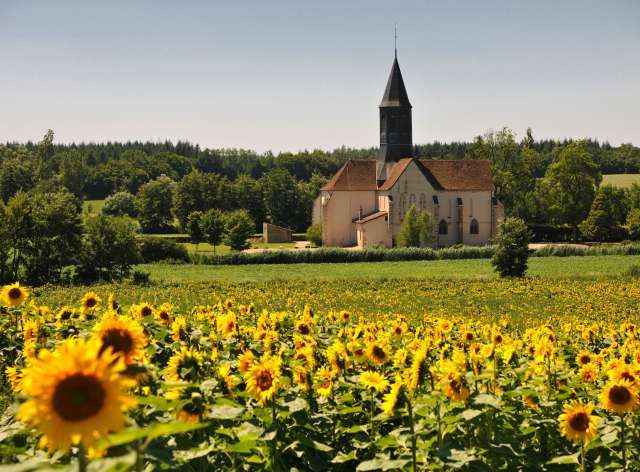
column 402, row 166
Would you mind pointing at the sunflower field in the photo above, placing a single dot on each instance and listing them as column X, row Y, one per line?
column 93, row 384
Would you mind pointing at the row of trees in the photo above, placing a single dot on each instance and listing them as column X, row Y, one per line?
column 43, row 239
column 276, row 197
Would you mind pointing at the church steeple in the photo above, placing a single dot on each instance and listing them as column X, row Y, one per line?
column 396, row 140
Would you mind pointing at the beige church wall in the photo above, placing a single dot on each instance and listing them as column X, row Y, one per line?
column 475, row 205
column 373, row 233
column 339, row 211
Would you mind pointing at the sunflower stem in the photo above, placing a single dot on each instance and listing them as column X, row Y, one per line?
column 83, row 462
column 582, row 459
column 413, row 436
column 139, row 455
column 274, row 443
column 622, row 445
column 371, row 416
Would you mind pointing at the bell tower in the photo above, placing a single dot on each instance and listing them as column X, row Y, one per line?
column 396, row 140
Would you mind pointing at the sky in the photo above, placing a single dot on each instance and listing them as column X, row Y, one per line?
column 294, row 75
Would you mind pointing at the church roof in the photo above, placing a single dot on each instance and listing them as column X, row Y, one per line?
column 371, row 217
column 395, row 94
column 465, row 175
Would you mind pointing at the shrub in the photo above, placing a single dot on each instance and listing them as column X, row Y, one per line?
column 139, row 277
column 109, row 249
column 238, row 228
column 213, row 226
column 154, row 202
column 194, row 227
column 314, row 235
column 160, row 249
column 512, row 251
column 633, row 224
column 120, row 204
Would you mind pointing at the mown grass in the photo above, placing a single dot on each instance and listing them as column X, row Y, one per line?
column 621, row 180
column 585, row 266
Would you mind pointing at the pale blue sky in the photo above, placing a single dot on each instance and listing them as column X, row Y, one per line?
column 302, row 75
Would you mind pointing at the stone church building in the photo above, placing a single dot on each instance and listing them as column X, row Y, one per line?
column 365, row 202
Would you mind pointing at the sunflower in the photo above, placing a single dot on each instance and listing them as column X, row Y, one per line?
column 577, row 423
column 179, row 328
column 163, row 314
column 76, row 395
column 185, row 366
column 415, row 375
column 323, row 381
column 14, row 294
column 445, row 326
column 623, row 371
column 303, row 327
column 263, row 379
column 345, row 315
column 90, row 302
column 374, row 380
column 584, row 358
column 229, row 381
column 227, row 324
column 14, row 376
column 144, row 310
column 30, row 330
column 112, row 304
column 246, row 361
column 619, row 396
column 455, row 387
column 301, row 378
column 123, row 335
column 376, row 353
column 589, row 372
column 390, row 400
column 64, row 314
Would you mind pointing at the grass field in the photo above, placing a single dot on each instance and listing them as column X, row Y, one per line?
column 621, row 180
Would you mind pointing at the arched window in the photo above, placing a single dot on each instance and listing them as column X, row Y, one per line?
column 443, row 227
column 403, row 206
column 423, row 201
column 474, row 228
column 412, row 199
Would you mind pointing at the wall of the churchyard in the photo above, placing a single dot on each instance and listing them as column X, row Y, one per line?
column 339, row 209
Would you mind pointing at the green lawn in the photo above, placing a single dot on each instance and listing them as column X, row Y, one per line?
column 621, row 180
column 587, row 266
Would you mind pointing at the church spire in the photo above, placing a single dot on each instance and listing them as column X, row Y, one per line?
column 396, row 141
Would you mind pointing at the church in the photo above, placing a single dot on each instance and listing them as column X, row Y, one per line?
column 364, row 203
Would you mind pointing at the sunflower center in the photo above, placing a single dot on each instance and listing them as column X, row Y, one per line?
column 164, row 315
column 118, row 339
column 628, row 376
column 78, row 397
column 146, row 311
column 497, row 339
column 619, row 395
column 65, row 315
column 303, row 328
column 585, row 359
column 264, row 380
column 379, row 353
column 15, row 293
column 579, row 422
column 91, row 302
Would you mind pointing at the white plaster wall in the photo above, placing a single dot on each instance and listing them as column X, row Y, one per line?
column 374, row 233
column 339, row 210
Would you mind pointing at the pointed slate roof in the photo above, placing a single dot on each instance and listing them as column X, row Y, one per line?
column 395, row 94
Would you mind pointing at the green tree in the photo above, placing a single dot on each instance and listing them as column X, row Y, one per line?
column 426, row 227
column 248, row 195
column 109, row 248
column 16, row 175
column 238, row 229
column 73, row 172
column 569, row 185
column 194, row 228
column 198, row 191
column 409, row 235
column 512, row 250
column 154, row 202
column 607, row 215
column 120, row 204
column 213, row 226
column 314, row 235
column 282, row 198
column 633, row 224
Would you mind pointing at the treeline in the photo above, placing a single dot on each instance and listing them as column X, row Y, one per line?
column 281, row 188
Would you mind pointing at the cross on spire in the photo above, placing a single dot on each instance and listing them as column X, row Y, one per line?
column 395, row 41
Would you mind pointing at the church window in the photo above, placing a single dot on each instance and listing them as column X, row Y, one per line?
column 412, row 200
column 435, row 200
column 443, row 227
column 459, row 200
column 423, row 201
column 474, row 227
column 403, row 206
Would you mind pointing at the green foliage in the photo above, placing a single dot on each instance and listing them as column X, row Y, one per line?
column 238, row 227
column 120, row 204
column 417, row 228
column 194, row 227
column 607, row 215
column 154, row 202
column 110, row 247
column 73, row 173
column 286, row 203
column 16, row 174
column 198, row 191
column 213, row 226
column 41, row 234
column 247, row 194
column 569, row 185
column 633, row 224
column 512, row 251
column 314, row 235
column 153, row 249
